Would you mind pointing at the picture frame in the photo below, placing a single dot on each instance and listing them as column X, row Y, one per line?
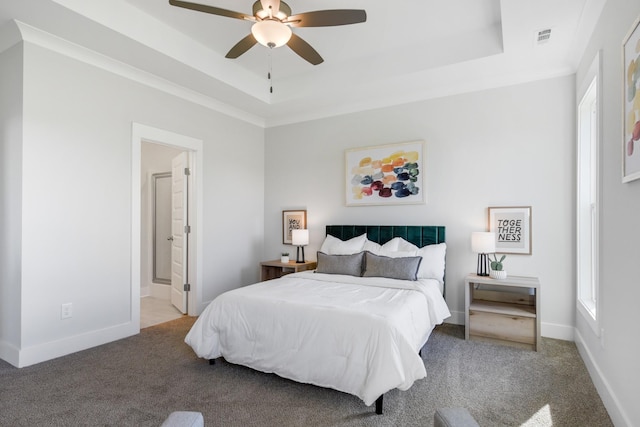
column 512, row 226
column 631, row 104
column 292, row 220
column 391, row 174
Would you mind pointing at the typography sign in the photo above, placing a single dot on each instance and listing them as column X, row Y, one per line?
column 512, row 227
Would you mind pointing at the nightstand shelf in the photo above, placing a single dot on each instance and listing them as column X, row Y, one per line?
column 503, row 308
column 506, row 311
column 275, row 269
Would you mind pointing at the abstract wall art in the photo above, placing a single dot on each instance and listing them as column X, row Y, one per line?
column 631, row 110
column 391, row 174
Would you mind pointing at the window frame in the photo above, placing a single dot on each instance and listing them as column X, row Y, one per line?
column 588, row 95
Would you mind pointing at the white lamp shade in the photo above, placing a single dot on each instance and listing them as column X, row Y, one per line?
column 271, row 33
column 300, row 237
column 483, row 242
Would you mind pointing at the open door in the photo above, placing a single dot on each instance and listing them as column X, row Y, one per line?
column 180, row 230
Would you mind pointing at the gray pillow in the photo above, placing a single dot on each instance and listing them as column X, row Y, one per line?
column 350, row 265
column 405, row 268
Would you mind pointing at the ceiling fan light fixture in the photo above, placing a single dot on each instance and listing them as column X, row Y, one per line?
column 271, row 33
column 261, row 13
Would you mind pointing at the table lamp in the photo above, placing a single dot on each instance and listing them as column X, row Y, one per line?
column 483, row 243
column 300, row 238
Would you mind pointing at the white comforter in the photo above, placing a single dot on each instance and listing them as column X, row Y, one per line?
column 354, row 334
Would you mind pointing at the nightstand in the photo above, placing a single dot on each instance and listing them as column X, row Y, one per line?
column 274, row 269
column 506, row 311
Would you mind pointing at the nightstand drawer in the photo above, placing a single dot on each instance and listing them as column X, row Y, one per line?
column 502, row 327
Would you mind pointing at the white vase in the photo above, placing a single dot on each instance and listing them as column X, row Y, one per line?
column 495, row 274
column 284, row 259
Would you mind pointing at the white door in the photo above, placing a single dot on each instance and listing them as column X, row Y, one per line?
column 180, row 231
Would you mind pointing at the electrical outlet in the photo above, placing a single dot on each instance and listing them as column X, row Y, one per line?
column 66, row 311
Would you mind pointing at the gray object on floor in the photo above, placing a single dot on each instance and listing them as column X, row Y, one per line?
column 184, row 419
column 453, row 417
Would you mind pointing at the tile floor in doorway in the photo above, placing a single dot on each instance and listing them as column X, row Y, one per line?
column 154, row 311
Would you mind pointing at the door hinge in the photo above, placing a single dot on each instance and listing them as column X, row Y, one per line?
column 187, row 171
column 187, row 287
column 187, row 229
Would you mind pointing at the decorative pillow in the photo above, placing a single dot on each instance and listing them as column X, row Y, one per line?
column 334, row 246
column 392, row 268
column 433, row 260
column 405, row 246
column 350, row 265
column 375, row 248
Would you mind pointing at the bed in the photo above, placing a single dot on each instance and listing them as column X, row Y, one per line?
column 356, row 324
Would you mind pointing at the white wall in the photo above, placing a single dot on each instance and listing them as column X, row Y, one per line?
column 613, row 357
column 156, row 158
column 511, row 146
column 76, row 219
column 10, row 200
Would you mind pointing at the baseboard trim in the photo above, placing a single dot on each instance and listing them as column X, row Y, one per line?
column 611, row 402
column 556, row 331
column 160, row 291
column 9, row 353
column 549, row 330
column 54, row 349
column 457, row 318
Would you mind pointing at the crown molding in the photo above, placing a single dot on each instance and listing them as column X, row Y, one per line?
column 30, row 34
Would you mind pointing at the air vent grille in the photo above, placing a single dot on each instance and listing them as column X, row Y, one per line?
column 543, row 36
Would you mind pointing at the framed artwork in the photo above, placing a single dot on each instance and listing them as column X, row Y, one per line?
column 631, row 109
column 292, row 220
column 512, row 226
column 390, row 174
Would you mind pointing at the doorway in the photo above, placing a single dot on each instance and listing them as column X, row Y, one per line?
column 156, row 239
column 153, row 150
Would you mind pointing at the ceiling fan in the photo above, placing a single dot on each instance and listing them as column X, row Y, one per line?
column 272, row 25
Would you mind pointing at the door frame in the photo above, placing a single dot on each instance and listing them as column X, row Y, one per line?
column 142, row 133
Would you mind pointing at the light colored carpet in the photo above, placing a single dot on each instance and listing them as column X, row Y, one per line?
column 140, row 380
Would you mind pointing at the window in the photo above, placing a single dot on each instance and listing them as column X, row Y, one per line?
column 587, row 199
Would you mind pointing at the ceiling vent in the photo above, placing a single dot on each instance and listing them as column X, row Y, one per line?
column 542, row 36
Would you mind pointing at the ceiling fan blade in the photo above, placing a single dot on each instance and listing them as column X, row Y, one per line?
column 328, row 18
column 210, row 9
column 304, row 49
column 241, row 47
column 274, row 5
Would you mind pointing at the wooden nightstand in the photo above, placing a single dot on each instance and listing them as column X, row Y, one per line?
column 274, row 269
column 505, row 311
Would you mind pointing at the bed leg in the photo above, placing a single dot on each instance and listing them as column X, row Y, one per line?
column 379, row 405
column 212, row 361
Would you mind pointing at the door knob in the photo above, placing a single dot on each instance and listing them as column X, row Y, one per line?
column 170, row 238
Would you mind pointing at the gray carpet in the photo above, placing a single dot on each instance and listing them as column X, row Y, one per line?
column 138, row 381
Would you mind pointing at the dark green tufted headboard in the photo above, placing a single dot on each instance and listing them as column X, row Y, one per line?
column 419, row 235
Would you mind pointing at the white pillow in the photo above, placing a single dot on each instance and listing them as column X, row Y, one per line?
column 432, row 265
column 334, row 246
column 377, row 249
column 399, row 254
column 405, row 246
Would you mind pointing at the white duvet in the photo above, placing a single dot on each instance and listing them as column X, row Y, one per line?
column 359, row 335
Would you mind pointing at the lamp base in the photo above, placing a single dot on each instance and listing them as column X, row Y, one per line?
column 483, row 265
column 298, row 260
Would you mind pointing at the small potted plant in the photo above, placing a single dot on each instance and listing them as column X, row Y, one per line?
column 496, row 267
column 284, row 257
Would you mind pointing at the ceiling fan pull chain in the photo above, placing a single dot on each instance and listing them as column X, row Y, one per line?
column 269, row 73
